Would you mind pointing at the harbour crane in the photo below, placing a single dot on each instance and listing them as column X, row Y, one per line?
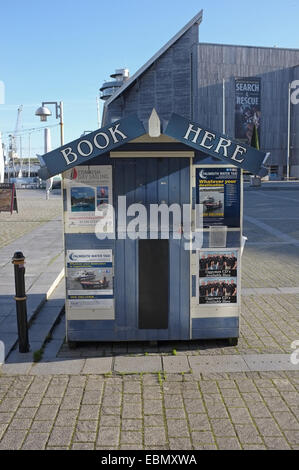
column 14, row 151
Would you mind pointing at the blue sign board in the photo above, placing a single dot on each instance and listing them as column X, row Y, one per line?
column 216, row 145
column 91, row 145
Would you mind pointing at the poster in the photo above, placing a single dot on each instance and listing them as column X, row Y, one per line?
column 218, row 290
column 8, row 198
column 247, row 108
column 218, row 190
column 89, row 278
column 217, row 276
column 221, row 264
column 89, row 192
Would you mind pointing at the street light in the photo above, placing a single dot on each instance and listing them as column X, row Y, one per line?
column 43, row 112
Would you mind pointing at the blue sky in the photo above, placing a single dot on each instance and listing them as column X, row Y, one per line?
column 64, row 50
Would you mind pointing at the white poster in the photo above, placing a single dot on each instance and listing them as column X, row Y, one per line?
column 90, row 278
column 89, row 192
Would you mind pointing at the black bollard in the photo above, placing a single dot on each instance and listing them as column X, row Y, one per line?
column 19, row 267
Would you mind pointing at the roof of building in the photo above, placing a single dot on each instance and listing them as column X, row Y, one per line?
column 278, row 48
column 196, row 19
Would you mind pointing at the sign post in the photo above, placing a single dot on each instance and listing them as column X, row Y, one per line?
column 8, row 198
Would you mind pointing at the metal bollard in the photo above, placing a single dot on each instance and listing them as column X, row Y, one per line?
column 19, row 268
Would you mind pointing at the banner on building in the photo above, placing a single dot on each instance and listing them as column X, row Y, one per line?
column 247, row 108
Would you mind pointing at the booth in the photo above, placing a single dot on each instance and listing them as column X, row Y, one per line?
column 152, row 230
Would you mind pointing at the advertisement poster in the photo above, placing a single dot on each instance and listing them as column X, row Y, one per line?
column 8, row 198
column 247, row 108
column 218, row 189
column 217, row 274
column 89, row 191
column 89, row 278
column 220, row 264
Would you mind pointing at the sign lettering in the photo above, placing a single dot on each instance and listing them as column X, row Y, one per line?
column 216, row 145
column 91, row 145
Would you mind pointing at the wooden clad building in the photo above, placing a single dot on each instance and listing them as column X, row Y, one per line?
column 186, row 77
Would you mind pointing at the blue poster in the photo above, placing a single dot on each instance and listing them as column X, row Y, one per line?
column 218, row 189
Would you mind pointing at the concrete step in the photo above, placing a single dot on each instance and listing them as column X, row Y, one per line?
column 42, row 326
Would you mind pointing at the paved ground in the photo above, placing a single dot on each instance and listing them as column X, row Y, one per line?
column 37, row 231
column 150, row 411
column 171, row 401
column 33, row 210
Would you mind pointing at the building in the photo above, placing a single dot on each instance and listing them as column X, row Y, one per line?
column 186, row 77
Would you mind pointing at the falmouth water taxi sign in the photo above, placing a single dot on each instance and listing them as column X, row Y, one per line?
column 217, row 145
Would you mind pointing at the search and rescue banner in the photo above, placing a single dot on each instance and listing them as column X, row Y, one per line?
column 247, row 108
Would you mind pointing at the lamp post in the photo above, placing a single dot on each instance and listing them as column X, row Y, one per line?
column 43, row 112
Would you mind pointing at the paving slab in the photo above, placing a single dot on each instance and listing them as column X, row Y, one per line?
column 9, row 340
column 59, row 331
column 97, row 365
column 173, row 364
column 51, row 349
column 71, row 367
column 260, row 291
column 17, row 357
column 289, row 290
column 138, row 364
column 269, row 362
column 211, row 364
column 19, row 368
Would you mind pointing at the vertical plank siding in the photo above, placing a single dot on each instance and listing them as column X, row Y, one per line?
column 146, row 181
column 276, row 68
